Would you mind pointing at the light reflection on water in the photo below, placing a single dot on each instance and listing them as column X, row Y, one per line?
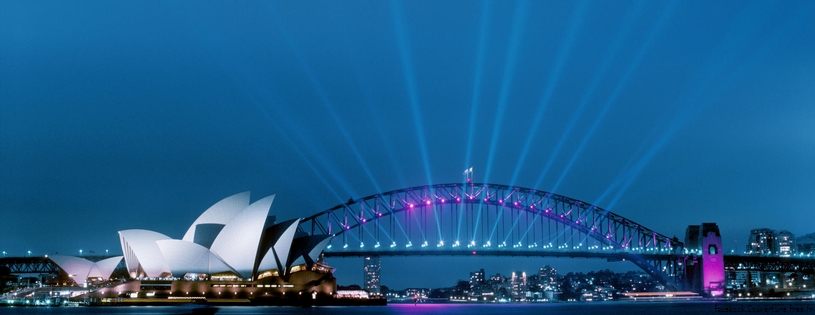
column 605, row 308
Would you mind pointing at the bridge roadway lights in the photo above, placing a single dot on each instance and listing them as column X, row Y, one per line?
column 551, row 218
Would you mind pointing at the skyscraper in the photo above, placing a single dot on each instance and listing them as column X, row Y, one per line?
column 769, row 242
column 518, row 283
column 372, row 268
column 477, row 282
column 548, row 278
column 761, row 242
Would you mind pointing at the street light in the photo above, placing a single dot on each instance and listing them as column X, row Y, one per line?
column 80, row 252
column 106, row 252
column 29, row 253
column 4, row 253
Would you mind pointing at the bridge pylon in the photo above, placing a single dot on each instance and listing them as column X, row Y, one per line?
column 704, row 266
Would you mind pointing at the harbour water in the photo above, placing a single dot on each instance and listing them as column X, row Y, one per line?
column 614, row 308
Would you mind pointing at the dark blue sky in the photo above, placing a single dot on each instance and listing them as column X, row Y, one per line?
column 118, row 115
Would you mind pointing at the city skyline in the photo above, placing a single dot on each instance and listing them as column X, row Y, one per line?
column 115, row 116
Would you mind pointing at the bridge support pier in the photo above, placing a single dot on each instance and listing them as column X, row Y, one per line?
column 704, row 271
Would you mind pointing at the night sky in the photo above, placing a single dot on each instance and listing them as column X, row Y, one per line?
column 122, row 114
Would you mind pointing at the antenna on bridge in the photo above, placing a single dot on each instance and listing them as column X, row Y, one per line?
column 468, row 174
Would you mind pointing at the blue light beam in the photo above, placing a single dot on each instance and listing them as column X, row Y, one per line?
column 506, row 81
column 410, row 80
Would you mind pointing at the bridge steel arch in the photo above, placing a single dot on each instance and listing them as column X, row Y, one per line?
column 480, row 218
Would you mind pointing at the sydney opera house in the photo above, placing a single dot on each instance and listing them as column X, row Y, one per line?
column 234, row 250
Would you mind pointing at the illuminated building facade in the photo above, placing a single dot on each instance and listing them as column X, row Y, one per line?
column 518, row 282
column 548, row 278
column 477, row 283
column 372, row 268
column 767, row 242
column 761, row 242
column 784, row 243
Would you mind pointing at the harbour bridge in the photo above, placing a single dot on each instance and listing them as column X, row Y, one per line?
column 479, row 219
column 492, row 220
column 500, row 220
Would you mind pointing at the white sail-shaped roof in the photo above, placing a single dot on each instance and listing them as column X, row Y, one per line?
column 77, row 268
column 314, row 254
column 80, row 269
column 238, row 242
column 220, row 213
column 281, row 246
column 141, row 252
column 95, row 273
column 186, row 257
column 107, row 266
column 310, row 246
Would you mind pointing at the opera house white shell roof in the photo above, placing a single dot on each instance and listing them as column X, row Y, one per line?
column 231, row 237
column 218, row 214
column 239, row 240
column 80, row 269
column 142, row 254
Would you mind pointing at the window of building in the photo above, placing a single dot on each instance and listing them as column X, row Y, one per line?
column 711, row 249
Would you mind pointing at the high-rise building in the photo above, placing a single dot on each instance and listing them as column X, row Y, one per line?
column 761, row 242
column 548, row 278
column 767, row 242
column 784, row 243
column 372, row 268
column 477, row 283
column 518, row 283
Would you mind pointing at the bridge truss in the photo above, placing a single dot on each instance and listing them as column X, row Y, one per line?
column 30, row 265
column 489, row 219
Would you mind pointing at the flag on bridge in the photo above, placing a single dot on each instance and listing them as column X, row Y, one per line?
column 468, row 173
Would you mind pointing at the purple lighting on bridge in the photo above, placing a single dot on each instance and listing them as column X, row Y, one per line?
column 555, row 209
column 713, row 279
